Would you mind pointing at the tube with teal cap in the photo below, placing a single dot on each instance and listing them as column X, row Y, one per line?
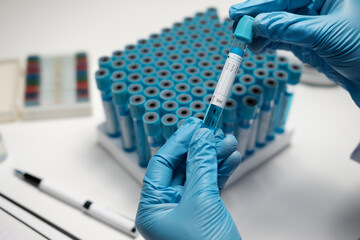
column 103, row 82
column 229, row 117
column 278, row 110
column 269, row 86
column 243, row 36
column 153, row 131
column 257, row 92
column 294, row 72
column 246, row 114
column 169, row 124
column 120, row 100
column 137, row 110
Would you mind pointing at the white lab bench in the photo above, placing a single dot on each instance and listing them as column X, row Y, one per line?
column 309, row 191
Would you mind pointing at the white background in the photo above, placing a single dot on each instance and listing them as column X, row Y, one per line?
column 309, row 191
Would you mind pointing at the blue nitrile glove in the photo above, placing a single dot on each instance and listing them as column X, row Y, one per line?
column 171, row 208
column 322, row 33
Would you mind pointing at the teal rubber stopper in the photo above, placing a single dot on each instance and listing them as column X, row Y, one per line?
column 248, row 107
column 135, row 89
column 238, row 91
column 294, row 72
column 169, row 125
column 183, row 113
column 105, row 62
column 270, row 86
column 102, row 77
column 244, row 30
column 282, row 62
column 282, row 78
column 152, row 105
column 119, row 93
column 229, row 112
column 184, row 99
column 257, row 92
column 247, row 80
column 197, row 106
column 152, row 92
column 118, row 76
column 152, row 124
column 137, row 106
column 260, row 74
column 169, row 106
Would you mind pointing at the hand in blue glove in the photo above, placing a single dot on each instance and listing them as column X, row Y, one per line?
column 175, row 205
column 322, row 33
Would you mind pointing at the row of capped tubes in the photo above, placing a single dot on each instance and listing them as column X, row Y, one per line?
column 247, row 76
column 247, row 79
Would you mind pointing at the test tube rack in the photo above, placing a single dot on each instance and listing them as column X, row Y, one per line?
column 129, row 161
column 56, row 86
column 194, row 49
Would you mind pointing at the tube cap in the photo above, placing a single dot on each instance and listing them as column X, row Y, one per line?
column 183, row 113
column 294, row 72
column 244, row 29
column 169, row 125
column 102, row 77
column 169, row 106
column 118, row 76
column 197, row 106
column 229, row 112
column 137, row 106
column 152, row 105
column 238, row 91
column 256, row 91
column 248, row 107
column 152, row 124
column 270, row 86
column 281, row 77
column 119, row 93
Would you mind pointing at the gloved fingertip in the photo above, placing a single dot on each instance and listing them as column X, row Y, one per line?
column 230, row 164
column 259, row 44
column 234, row 13
column 219, row 135
column 259, row 24
column 191, row 120
column 190, row 124
column 230, row 141
column 236, row 156
column 203, row 133
column 202, row 137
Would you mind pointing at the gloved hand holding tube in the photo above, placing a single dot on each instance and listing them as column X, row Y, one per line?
column 173, row 206
column 322, row 33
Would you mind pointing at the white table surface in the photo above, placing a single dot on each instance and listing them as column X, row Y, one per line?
column 309, row 191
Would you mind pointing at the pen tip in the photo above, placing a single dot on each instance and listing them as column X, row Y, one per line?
column 18, row 172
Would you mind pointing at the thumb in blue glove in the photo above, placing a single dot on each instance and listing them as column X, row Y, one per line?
column 193, row 210
column 322, row 33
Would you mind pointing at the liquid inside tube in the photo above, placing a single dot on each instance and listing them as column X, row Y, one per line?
column 223, row 87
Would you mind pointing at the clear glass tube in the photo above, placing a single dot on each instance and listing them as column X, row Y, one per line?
column 226, row 80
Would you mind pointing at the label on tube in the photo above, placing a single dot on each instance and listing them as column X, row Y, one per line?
column 226, row 79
